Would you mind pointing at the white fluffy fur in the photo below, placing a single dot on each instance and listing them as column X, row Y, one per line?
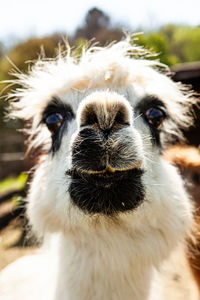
column 131, row 255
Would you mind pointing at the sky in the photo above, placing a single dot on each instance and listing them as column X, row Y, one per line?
column 20, row 19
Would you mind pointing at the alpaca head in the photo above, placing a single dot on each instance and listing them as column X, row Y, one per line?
column 103, row 121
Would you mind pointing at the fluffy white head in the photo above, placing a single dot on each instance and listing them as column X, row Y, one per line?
column 103, row 121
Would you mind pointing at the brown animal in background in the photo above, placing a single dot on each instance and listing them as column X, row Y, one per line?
column 187, row 159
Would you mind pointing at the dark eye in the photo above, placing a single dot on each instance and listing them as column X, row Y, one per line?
column 155, row 116
column 54, row 121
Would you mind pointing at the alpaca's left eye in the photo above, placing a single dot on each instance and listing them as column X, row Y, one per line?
column 155, row 116
column 54, row 121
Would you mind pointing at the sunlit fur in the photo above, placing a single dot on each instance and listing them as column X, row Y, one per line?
column 137, row 254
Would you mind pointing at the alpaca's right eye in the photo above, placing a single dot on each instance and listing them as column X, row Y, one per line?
column 53, row 122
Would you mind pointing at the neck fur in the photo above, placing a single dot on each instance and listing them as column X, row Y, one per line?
column 106, row 265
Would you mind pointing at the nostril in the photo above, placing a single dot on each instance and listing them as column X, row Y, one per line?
column 88, row 117
column 122, row 117
column 105, row 115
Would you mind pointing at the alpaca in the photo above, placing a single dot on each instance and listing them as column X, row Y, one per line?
column 187, row 159
column 113, row 214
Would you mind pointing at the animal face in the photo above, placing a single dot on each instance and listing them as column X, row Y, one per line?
column 104, row 121
column 105, row 153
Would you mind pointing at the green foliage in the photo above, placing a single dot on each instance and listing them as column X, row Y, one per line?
column 185, row 43
column 20, row 58
column 25, row 53
column 81, row 44
column 12, row 183
column 158, row 44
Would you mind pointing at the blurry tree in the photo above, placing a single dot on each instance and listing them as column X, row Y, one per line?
column 97, row 25
column 95, row 21
column 185, row 43
column 28, row 51
column 158, row 43
column 22, row 56
column 173, row 44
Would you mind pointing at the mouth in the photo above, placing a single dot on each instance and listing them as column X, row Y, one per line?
column 108, row 191
column 104, row 178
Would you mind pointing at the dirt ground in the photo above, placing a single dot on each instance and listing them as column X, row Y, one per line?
column 9, row 245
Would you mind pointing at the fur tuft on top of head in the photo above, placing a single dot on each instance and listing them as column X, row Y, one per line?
column 117, row 66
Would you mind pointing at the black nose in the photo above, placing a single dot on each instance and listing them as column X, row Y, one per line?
column 106, row 166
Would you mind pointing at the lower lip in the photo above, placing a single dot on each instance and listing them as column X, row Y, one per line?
column 107, row 193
